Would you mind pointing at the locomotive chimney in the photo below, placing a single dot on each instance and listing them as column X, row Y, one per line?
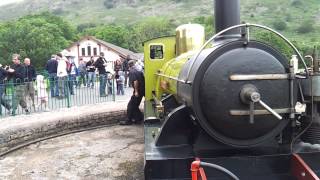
column 227, row 14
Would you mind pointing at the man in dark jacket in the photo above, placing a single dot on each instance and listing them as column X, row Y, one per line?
column 3, row 76
column 30, row 78
column 19, row 77
column 91, row 69
column 51, row 67
column 101, row 64
column 136, row 79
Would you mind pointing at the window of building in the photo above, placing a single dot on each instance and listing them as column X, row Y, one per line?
column 156, row 52
column 83, row 51
column 89, row 50
column 95, row 51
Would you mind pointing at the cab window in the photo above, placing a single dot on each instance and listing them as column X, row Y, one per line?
column 156, row 52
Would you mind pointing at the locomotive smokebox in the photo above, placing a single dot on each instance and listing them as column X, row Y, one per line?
column 227, row 14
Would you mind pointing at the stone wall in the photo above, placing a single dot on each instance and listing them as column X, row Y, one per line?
column 16, row 131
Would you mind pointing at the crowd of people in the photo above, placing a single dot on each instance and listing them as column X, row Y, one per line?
column 22, row 76
column 63, row 75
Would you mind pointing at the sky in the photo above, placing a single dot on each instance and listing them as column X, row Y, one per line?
column 4, row 2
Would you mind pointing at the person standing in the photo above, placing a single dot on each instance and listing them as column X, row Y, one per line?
column 120, row 83
column 73, row 72
column 110, row 83
column 82, row 73
column 118, row 66
column 62, row 75
column 31, row 77
column 19, row 75
column 3, row 75
column 101, row 64
column 91, row 69
column 136, row 79
column 51, row 67
column 125, row 68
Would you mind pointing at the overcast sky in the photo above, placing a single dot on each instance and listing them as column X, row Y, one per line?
column 4, row 2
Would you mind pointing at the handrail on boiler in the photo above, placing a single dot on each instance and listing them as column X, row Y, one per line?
column 247, row 25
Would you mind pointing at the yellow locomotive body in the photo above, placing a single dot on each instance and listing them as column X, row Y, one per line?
column 165, row 56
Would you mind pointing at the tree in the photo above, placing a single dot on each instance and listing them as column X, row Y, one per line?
column 115, row 34
column 148, row 29
column 274, row 41
column 208, row 23
column 36, row 37
column 82, row 27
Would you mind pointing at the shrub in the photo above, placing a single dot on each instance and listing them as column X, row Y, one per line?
column 280, row 25
column 109, row 4
column 296, row 3
column 306, row 27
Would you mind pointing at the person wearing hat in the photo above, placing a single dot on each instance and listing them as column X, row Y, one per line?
column 136, row 79
column 101, row 64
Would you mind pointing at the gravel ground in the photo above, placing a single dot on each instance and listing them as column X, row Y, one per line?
column 113, row 153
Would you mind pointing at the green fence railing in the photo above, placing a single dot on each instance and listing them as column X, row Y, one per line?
column 36, row 96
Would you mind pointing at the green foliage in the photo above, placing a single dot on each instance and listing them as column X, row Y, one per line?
column 280, row 25
column 148, row 29
column 296, row 3
column 82, row 27
column 115, row 34
column 132, row 36
column 36, row 37
column 306, row 27
column 275, row 41
column 208, row 23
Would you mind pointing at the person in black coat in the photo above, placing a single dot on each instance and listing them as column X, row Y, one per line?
column 136, row 79
column 101, row 64
column 52, row 67
column 91, row 69
column 19, row 76
column 3, row 76
column 30, row 78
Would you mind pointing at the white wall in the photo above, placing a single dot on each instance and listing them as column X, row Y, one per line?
column 108, row 54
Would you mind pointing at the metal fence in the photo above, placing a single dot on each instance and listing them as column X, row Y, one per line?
column 53, row 94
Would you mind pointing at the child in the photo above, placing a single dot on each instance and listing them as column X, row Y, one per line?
column 120, row 83
column 42, row 92
column 109, row 84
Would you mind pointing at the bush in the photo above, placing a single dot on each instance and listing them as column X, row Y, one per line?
column 280, row 25
column 288, row 18
column 274, row 41
column 306, row 27
column 296, row 3
column 82, row 27
column 58, row 11
column 109, row 4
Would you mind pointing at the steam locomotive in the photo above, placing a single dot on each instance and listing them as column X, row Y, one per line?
column 232, row 107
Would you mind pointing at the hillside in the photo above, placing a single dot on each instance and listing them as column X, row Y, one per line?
column 290, row 13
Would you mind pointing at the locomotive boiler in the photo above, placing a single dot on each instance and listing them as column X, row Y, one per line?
column 234, row 104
